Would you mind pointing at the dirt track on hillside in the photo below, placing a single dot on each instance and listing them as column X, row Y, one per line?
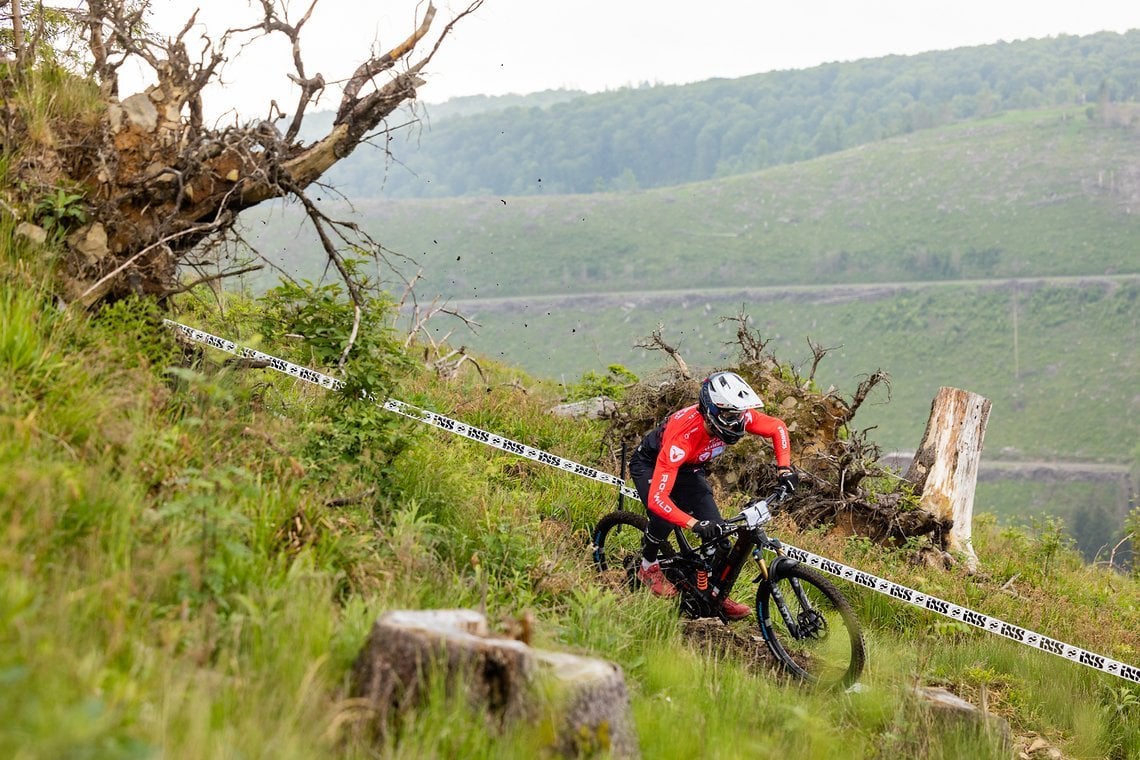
column 1050, row 471
column 822, row 294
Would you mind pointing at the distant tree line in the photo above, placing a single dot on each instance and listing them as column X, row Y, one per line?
column 654, row 136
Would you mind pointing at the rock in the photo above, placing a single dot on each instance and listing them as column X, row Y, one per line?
column 91, row 241
column 584, row 699
column 950, row 706
column 31, row 232
column 139, row 110
column 596, row 408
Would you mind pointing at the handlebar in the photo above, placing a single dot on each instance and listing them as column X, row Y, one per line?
column 757, row 509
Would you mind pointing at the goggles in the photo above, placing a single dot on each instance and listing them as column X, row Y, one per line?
column 730, row 416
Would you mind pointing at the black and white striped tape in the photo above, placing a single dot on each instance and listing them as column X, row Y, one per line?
column 968, row 616
column 873, row 582
column 412, row 412
column 505, row 444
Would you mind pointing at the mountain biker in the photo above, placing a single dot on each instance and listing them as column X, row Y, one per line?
column 668, row 469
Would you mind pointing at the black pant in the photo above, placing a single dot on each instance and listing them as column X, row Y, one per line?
column 691, row 492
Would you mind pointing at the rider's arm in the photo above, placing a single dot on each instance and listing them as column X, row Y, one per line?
column 776, row 431
column 661, row 485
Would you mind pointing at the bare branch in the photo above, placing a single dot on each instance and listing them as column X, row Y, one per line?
column 103, row 71
column 751, row 344
column 1111, row 563
column 861, row 393
column 447, row 369
column 366, row 71
column 310, row 86
column 655, row 342
column 319, row 220
column 817, row 352
column 215, row 277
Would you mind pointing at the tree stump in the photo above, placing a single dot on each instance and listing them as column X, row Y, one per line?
column 945, row 467
column 583, row 700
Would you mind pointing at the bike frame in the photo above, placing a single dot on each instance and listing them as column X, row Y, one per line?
column 684, row 569
column 793, row 603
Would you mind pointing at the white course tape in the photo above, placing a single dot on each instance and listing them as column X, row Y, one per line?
column 407, row 410
column 976, row 619
column 875, row 583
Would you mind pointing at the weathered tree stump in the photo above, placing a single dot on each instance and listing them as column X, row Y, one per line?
column 584, row 699
column 945, row 467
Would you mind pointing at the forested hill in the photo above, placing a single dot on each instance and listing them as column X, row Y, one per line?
column 654, row 136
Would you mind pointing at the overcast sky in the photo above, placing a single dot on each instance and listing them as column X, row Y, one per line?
column 523, row 46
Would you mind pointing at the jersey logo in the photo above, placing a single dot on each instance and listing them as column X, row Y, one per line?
column 710, row 452
column 676, row 453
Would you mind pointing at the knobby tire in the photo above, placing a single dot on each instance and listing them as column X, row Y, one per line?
column 831, row 656
column 617, row 545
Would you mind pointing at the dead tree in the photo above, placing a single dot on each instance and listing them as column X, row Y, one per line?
column 155, row 182
column 945, row 467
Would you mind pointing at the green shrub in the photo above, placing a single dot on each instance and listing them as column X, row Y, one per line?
column 613, row 384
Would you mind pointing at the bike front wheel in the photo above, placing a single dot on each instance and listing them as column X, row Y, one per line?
column 810, row 628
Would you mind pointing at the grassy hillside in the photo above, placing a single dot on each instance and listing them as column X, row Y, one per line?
column 1076, row 348
column 974, row 207
column 1057, row 361
column 997, row 255
column 191, row 555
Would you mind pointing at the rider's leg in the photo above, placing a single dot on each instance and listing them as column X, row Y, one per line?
column 700, row 503
column 641, row 470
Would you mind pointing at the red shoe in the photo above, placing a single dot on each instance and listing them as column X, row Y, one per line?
column 653, row 577
column 735, row 610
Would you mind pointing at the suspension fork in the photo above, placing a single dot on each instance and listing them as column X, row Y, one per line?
column 771, row 576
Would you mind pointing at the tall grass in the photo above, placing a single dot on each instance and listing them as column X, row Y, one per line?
column 181, row 575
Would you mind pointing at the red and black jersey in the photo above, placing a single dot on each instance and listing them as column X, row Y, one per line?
column 683, row 441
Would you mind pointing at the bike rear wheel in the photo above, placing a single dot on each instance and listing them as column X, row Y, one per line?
column 617, row 546
column 816, row 635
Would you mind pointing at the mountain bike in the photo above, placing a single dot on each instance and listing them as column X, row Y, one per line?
column 807, row 624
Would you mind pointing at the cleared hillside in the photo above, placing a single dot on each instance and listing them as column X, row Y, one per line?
column 1027, row 195
column 1036, row 193
column 998, row 255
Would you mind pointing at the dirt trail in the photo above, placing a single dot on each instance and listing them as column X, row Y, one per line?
column 800, row 293
column 1009, row 469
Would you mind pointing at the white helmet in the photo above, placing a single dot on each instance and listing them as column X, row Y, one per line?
column 724, row 399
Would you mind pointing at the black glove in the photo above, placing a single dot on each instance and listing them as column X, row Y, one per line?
column 708, row 530
column 788, row 479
